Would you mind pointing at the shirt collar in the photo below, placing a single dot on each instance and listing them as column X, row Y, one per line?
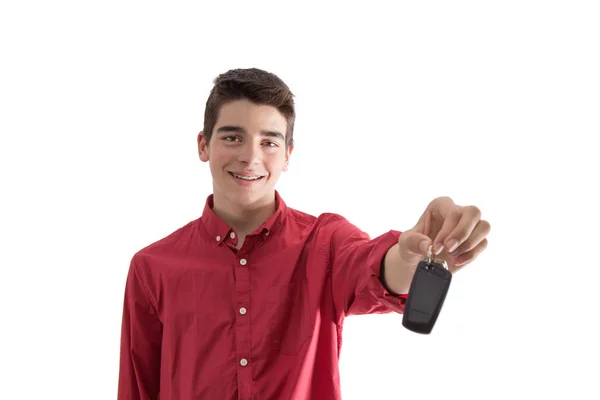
column 219, row 229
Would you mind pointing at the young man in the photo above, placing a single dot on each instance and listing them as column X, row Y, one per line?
column 248, row 301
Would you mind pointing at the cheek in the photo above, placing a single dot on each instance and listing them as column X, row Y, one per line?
column 216, row 166
column 220, row 159
column 275, row 167
column 274, row 161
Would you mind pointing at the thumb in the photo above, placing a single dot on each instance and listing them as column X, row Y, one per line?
column 413, row 243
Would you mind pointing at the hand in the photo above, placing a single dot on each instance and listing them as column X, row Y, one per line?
column 457, row 232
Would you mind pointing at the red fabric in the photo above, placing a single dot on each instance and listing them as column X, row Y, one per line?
column 184, row 333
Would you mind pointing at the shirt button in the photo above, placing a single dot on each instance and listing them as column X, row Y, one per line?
column 243, row 362
column 218, row 238
column 243, row 310
column 232, row 235
column 243, row 261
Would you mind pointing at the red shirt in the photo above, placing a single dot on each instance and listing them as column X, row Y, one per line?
column 202, row 320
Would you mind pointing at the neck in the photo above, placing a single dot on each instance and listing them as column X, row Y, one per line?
column 243, row 220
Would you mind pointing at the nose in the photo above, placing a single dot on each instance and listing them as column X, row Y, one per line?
column 250, row 153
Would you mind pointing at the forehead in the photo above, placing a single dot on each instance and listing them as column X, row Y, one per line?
column 251, row 116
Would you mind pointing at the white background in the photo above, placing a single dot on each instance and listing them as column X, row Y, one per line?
column 494, row 104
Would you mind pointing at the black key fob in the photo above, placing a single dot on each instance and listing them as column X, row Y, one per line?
column 426, row 295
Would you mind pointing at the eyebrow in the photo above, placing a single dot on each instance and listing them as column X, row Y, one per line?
column 239, row 129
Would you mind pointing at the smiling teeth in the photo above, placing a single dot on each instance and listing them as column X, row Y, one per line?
column 247, row 178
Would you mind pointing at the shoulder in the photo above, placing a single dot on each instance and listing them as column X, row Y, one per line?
column 325, row 220
column 173, row 243
column 322, row 227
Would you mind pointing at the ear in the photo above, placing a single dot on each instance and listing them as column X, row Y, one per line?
column 287, row 158
column 202, row 147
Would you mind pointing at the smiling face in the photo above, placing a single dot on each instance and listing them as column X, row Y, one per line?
column 248, row 141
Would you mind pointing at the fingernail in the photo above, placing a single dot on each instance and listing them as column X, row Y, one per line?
column 452, row 245
column 423, row 246
column 437, row 249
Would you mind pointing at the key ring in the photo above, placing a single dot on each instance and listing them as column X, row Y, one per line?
column 430, row 260
column 429, row 253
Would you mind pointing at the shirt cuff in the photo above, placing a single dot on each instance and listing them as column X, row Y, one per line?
column 382, row 279
column 377, row 287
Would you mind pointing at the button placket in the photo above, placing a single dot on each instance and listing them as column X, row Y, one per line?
column 242, row 299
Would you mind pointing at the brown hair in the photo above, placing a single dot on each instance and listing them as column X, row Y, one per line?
column 258, row 86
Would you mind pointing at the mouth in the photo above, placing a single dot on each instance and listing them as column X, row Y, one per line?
column 248, row 179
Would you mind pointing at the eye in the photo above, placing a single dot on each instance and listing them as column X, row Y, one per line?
column 233, row 138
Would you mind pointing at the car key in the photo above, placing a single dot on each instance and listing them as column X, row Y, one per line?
column 426, row 295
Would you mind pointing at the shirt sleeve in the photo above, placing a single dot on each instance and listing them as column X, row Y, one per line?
column 141, row 336
column 356, row 266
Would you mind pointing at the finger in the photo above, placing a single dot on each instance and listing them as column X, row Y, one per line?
column 436, row 210
column 423, row 223
column 477, row 236
column 461, row 231
column 413, row 243
column 470, row 256
column 450, row 223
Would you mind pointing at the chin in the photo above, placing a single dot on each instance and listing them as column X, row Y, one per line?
column 249, row 198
